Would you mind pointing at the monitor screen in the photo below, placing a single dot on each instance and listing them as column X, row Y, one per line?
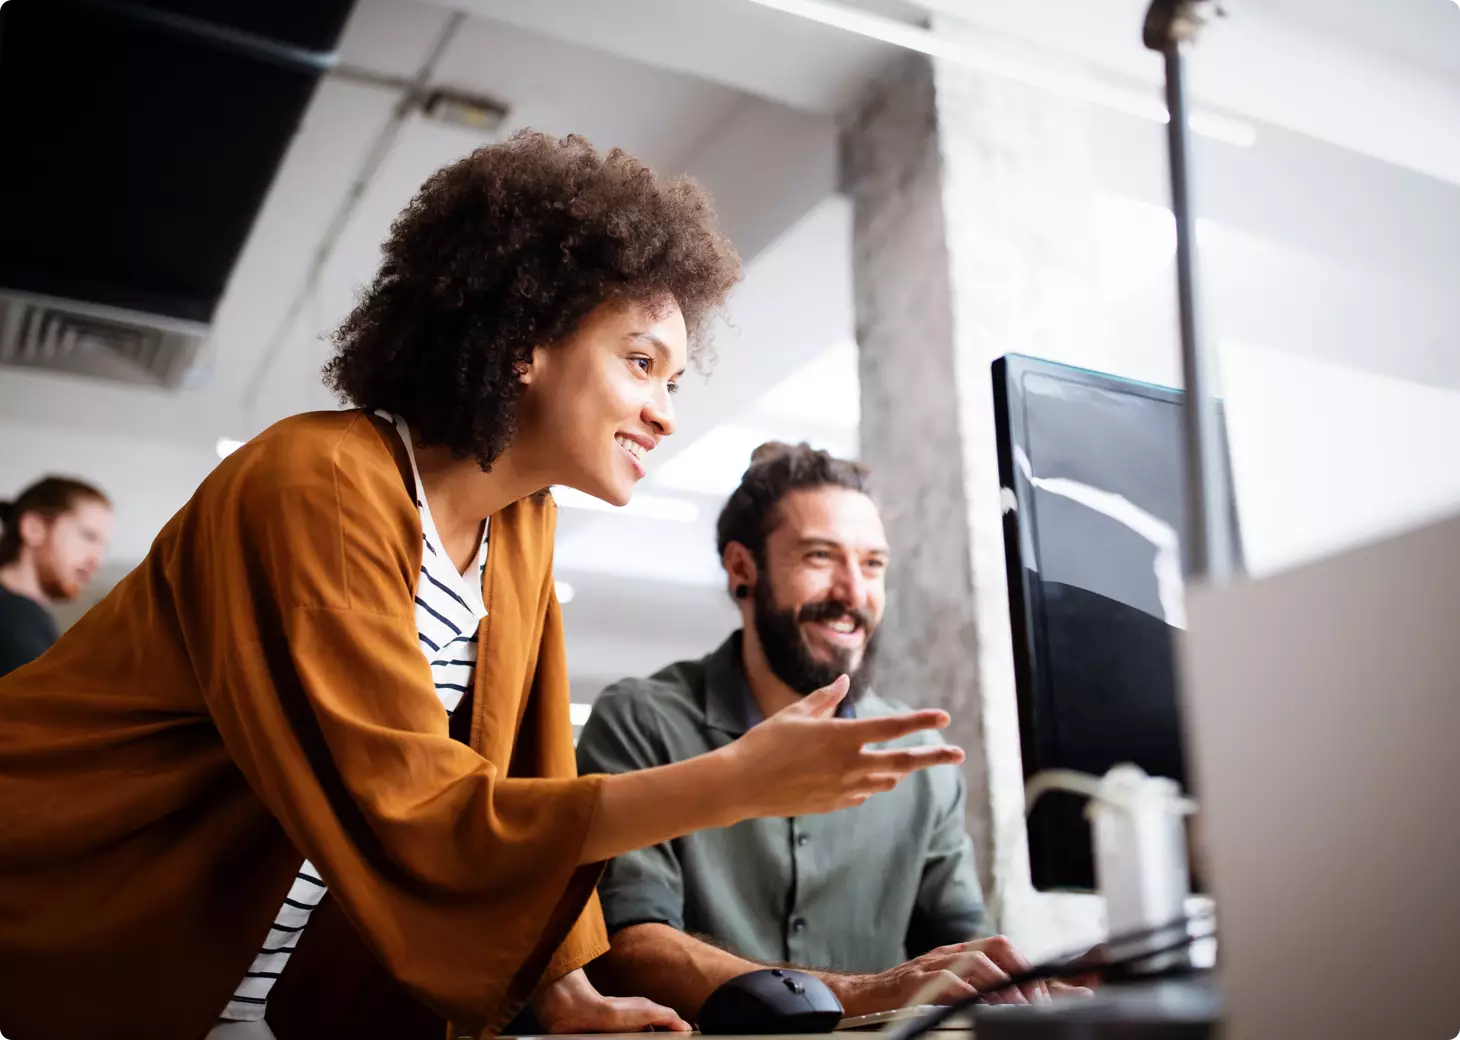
column 1093, row 473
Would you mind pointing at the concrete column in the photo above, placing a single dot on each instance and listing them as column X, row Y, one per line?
column 910, row 427
column 973, row 207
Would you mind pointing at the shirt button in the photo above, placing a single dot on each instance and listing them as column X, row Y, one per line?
column 798, row 925
column 803, row 839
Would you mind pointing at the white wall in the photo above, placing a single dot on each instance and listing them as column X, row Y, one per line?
column 153, row 477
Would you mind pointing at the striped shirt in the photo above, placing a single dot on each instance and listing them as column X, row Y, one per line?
column 449, row 611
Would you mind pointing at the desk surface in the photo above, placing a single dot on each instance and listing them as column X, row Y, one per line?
column 1187, row 1007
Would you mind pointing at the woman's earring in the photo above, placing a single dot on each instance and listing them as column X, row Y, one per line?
column 742, row 590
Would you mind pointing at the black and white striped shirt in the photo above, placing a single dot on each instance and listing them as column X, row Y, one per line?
column 449, row 611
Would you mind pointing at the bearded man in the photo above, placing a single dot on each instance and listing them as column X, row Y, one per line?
column 880, row 900
column 53, row 537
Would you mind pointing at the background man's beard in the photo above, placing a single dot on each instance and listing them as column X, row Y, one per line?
column 792, row 660
column 57, row 587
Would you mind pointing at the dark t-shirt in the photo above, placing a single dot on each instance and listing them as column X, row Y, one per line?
column 27, row 630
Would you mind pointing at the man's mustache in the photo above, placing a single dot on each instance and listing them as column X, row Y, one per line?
column 830, row 610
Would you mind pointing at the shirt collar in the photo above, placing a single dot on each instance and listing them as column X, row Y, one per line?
column 465, row 587
column 730, row 706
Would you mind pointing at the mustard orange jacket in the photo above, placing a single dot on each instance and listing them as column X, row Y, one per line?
column 253, row 694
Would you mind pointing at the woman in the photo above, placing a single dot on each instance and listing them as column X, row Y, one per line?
column 340, row 668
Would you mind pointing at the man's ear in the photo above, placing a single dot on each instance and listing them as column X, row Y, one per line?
column 740, row 569
column 33, row 528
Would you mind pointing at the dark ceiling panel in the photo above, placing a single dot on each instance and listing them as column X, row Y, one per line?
column 138, row 155
column 310, row 24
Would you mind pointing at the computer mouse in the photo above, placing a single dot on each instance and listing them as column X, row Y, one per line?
column 772, row 1000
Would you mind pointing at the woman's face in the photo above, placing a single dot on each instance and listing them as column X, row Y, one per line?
column 598, row 403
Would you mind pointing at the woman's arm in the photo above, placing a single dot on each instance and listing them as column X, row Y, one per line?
column 801, row 760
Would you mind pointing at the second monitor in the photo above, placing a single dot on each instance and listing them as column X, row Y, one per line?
column 1094, row 480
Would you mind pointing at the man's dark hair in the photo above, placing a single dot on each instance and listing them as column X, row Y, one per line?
column 510, row 249
column 775, row 471
column 49, row 497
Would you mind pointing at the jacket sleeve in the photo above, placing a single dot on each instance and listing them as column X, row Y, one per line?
column 645, row 885
column 296, row 595
column 589, row 938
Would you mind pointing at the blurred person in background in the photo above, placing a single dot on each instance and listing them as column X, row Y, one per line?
column 309, row 769
column 884, row 895
column 53, row 537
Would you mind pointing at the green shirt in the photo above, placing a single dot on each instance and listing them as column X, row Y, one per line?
column 857, row 890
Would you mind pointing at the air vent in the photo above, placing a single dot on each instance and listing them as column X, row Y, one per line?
column 87, row 339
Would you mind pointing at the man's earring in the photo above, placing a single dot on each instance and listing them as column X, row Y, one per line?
column 742, row 590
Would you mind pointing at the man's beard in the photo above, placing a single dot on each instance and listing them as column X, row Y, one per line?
column 59, row 585
column 792, row 660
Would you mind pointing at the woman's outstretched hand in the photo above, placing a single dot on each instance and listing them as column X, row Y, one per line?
column 799, row 761
column 803, row 759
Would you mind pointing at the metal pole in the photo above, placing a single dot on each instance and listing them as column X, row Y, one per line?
column 1172, row 25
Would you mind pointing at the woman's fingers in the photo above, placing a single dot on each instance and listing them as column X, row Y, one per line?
column 879, row 782
column 906, row 760
column 823, row 762
column 890, row 768
column 821, row 704
column 890, row 727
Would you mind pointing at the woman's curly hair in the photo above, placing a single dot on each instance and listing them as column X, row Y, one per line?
column 508, row 249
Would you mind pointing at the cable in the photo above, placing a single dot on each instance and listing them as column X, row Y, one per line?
column 1095, row 788
column 1099, row 789
column 1060, row 780
column 1072, row 965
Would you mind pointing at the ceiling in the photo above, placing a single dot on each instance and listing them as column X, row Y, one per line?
column 1423, row 33
column 147, row 149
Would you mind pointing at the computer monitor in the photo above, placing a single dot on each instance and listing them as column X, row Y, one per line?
column 1093, row 475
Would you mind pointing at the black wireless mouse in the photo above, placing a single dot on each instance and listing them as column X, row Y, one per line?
column 772, row 1000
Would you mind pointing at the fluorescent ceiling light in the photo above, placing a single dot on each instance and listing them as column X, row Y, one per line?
column 1222, row 128
column 226, row 446
column 714, row 464
column 565, row 591
column 1022, row 68
column 682, row 554
column 1135, row 241
column 578, row 713
column 648, row 506
column 825, row 391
